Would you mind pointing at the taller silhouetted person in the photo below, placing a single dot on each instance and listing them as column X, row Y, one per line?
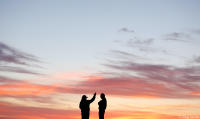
column 102, row 106
column 85, row 106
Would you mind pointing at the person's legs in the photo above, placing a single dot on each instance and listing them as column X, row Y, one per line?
column 82, row 115
column 101, row 114
column 87, row 114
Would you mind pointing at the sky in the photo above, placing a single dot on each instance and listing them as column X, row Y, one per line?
column 144, row 55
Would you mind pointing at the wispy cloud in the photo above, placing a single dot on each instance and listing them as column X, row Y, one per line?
column 11, row 59
column 197, row 59
column 130, row 79
column 178, row 36
column 4, row 79
column 127, row 77
column 135, row 80
column 140, row 41
column 18, row 70
column 124, row 29
column 11, row 55
column 124, row 54
column 174, row 81
column 195, row 31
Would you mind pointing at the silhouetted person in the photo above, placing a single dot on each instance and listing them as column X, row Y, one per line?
column 102, row 106
column 85, row 106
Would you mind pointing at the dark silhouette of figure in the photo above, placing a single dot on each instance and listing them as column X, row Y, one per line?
column 85, row 106
column 102, row 106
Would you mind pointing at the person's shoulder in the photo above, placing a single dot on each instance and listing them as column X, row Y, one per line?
column 100, row 101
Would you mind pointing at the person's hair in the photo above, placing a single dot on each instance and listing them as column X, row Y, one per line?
column 102, row 95
column 84, row 97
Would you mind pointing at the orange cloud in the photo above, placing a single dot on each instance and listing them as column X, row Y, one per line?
column 196, row 93
column 118, row 86
column 23, row 88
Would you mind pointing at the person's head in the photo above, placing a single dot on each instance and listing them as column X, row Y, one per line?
column 84, row 97
column 102, row 96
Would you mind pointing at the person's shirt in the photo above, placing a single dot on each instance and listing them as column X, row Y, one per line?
column 85, row 104
column 102, row 104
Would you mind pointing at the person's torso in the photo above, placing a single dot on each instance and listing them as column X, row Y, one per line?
column 85, row 105
column 102, row 104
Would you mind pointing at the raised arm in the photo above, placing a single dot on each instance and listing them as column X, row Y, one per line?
column 93, row 98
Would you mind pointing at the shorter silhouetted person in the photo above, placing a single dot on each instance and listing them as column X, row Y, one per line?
column 102, row 106
column 85, row 106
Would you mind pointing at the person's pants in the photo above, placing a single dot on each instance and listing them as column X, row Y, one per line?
column 85, row 114
column 101, row 114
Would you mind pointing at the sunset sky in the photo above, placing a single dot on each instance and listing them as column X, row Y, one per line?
column 143, row 54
